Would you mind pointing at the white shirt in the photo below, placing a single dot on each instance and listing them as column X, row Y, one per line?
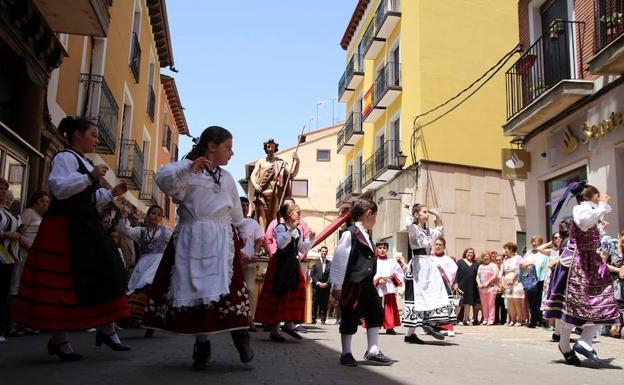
column 341, row 256
column 65, row 180
column 283, row 237
column 587, row 214
column 254, row 233
column 134, row 233
column 418, row 237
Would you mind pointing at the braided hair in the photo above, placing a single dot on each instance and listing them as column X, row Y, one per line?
column 212, row 134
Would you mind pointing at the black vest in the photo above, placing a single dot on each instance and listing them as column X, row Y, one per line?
column 287, row 267
column 362, row 262
column 96, row 266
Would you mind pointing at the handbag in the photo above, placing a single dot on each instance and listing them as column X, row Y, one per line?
column 529, row 278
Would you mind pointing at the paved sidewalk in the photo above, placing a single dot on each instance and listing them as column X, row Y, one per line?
column 477, row 355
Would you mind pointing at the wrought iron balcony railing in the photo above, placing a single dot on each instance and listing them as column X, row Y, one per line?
column 355, row 67
column 384, row 157
column 550, row 59
column 353, row 126
column 135, row 57
column 389, row 78
column 385, row 9
column 130, row 165
column 150, row 192
column 348, row 187
column 101, row 108
column 608, row 22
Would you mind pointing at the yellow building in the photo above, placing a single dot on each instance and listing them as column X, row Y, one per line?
column 116, row 82
column 402, row 59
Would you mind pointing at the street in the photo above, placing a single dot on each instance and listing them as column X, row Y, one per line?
column 477, row 355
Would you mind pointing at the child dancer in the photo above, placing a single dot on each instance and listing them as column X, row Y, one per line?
column 581, row 292
column 283, row 294
column 152, row 239
column 199, row 287
column 389, row 276
column 353, row 269
column 74, row 278
column 427, row 302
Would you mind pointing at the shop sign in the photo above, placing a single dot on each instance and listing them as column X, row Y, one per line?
column 591, row 132
column 515, row 163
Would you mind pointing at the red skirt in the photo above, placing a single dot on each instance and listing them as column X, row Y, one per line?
column 391, row 312
column 273, row 308
column 231, row 312
column 47, row 298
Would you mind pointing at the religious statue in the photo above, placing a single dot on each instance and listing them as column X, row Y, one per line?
column 269, row 184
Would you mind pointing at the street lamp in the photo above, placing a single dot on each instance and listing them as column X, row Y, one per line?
column 401, row 159
column 394, row 193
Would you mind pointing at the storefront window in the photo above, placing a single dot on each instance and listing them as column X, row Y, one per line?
column 554, row 189
column 14, row 170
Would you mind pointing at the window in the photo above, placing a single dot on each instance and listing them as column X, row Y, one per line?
column 166, row 143
column 554, row 189
column 323, row 156
column 299, row 187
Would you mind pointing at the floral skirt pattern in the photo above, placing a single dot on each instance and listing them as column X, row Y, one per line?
column 231, row 312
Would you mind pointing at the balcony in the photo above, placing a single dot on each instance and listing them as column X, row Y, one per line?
column 135, row 57
column 61, row 16
column 608, row 38
column 371, row 45
column 151, row 102
column 351, row 78
column 383, row 165
column 348, row 190
column 130, row 167
column 350, row 133
column 387, row 17
column 102, row 109
column 546, row 79
column 150, row 193
column 386, row 89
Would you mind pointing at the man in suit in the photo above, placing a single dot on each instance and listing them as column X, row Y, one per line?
column 320, row 286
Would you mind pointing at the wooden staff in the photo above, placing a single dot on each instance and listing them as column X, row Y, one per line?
column 299, row 141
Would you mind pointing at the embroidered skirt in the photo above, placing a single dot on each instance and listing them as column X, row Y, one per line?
column 230, row 312
column 47, row 297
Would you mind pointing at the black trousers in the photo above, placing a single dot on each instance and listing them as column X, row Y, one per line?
column 534, row 298
column 6, row 272
column 500, row 312
column 320, row 299
column 357, row 301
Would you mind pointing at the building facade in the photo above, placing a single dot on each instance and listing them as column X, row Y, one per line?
column 402, row 59
column 115, row 81
column 565, row 104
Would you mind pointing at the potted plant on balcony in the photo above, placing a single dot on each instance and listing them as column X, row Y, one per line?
column 611, row 23
column 555, row 28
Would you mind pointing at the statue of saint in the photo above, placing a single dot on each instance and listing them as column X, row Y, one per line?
column 268, row 183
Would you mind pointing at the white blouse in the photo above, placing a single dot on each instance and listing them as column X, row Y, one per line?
column 587, row 214
column 65, row 180
column 341, row 256
column 134, row 233
column 283, row 237
column 418, row 237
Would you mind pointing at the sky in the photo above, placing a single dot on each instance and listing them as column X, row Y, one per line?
column 258, row 68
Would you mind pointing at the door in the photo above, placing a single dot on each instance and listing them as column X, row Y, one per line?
column 396, row 68
column 557, row 37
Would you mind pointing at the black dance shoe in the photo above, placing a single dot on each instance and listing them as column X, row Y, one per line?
column 433, row 332
column 102, row 338
column 276, row 338
column 555, row 337
column 291, row 332
column 241, row 341
column 392, row 332
column 589, row 354
column 570, row 358
column 413, row 339
column 201, row 355
column 348, row 360
column 56, row 349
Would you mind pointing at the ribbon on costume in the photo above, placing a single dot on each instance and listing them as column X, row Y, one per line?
column 561, row 200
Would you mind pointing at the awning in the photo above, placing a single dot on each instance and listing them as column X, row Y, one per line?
column 329, row 230
column 20, row 141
